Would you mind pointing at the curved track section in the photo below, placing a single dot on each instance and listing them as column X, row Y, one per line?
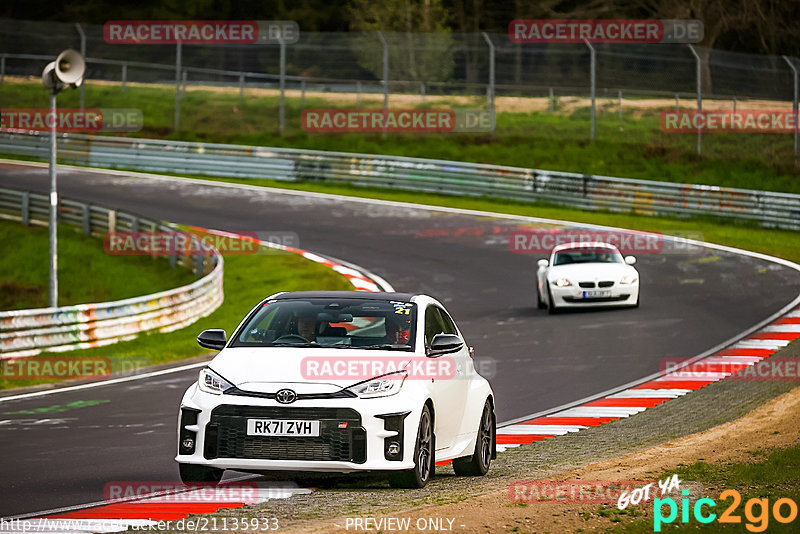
column 690, row 303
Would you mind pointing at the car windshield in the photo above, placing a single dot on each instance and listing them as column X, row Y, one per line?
column 329, row 322
column 587, row 255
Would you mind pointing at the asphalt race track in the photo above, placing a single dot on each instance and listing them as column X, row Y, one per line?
column 55, row 455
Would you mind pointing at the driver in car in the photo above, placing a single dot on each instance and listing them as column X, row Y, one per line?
column 306, row 327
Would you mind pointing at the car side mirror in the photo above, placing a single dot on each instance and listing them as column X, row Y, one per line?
column 444, row 344
column 214, row 338
column 630, row 260
column 542, row 263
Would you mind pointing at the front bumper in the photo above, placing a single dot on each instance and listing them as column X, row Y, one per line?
column 354, row 433
column 577, row 297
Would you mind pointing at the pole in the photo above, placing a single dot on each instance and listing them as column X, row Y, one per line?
column 794, row 105
column 422, row 91
column 592, row 67
column 124, row 75
column 2, row 68
column 83, row 53
column 620, row 103
column 303, row 93
column 241, row 86
column 699, row 97
column 491, row 80
column 552, row 100
column 177, row 120
column 53, row 208
column 385, row 80
column 283, row 85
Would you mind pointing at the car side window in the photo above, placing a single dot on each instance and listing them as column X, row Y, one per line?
column 447, row 322
column 433, row 324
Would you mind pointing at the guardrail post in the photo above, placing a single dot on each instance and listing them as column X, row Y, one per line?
column 794, row 105
column 124, row 75
column 241, row 87
column 699, row 66
column 86, row 219
column 490, row 88
column 385, row 80
column 112, row 221
column 26, row 208
column 177, row 121
column 282, row 83
column 83, row 53
column 592, row 80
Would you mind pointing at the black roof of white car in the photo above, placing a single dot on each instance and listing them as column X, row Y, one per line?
column 398, row 297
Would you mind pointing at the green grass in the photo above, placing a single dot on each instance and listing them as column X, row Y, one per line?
column 85, row 272
column 770, row 476
column 633, row 146
column 248, row 279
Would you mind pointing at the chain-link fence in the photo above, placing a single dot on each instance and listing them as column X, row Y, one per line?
column 386, row 63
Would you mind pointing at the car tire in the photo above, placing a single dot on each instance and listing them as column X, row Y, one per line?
column 424, row 462
column 200, row 473
column 477, row 465
column 551, row 307
column 539, row 302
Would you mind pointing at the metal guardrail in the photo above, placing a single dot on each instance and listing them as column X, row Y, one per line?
column 29, row 332
column 416, row 174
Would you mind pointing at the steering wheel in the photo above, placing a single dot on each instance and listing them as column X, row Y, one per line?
column 292, row 336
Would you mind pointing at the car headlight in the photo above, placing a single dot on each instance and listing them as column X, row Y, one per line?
column 562, row 282
column 629, row 279
column 211, row 382
column 380, row 386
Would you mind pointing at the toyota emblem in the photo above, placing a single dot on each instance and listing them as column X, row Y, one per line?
column 286, row 396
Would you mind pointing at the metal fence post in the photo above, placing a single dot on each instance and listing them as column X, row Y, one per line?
column 26, row 208
column 83, row 53
column 794, row 105
column 734, row 105
column 184, row 79
column 358, row 94
column 2, row 68
column 282, row 111
column 177, row 122
column 124, row 75
column 699, row 63
column 302, row 93
column 53, row 229
column 385, row 80
column 491, row 80
column 552, row 100
column 241, row 86
column 422, row 92
column 592, row 78
column 677, row 103
column 620, row 103
column 86, row 219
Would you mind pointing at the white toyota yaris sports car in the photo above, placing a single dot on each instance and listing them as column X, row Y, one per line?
column 338, row 381
column 580, row 275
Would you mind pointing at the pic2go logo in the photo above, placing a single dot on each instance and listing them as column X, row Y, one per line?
column 756, row 522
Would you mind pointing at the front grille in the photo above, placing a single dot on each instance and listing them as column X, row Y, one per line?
column 226, row 435
column 586, row 285
column 605, row 284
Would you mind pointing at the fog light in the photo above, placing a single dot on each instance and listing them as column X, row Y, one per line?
column 188, row 443
column 393, row 448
